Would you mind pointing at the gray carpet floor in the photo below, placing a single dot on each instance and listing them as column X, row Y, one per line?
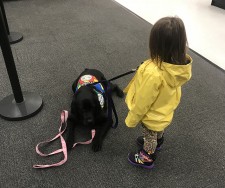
column 61, row 38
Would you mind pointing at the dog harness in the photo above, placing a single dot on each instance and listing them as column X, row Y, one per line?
column 98, row 88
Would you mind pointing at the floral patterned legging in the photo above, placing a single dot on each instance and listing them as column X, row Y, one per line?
column 150, row 139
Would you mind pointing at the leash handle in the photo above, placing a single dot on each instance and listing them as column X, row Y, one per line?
column 64, row 117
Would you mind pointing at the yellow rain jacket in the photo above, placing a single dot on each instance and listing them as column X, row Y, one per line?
column 154, row 93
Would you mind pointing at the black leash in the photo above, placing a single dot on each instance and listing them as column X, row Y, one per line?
column 121, row 75
column 114, row 78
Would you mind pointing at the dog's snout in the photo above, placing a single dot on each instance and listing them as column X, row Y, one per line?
column 89, row 120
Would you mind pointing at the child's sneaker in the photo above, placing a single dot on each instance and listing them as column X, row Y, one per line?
column 140, row 141
column 142, row 159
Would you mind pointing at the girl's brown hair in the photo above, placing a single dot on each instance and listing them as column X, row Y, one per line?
column 168, row 40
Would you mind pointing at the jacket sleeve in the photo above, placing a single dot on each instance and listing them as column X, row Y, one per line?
column 144, row 97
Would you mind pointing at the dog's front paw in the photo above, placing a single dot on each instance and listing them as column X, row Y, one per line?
column 69, row 146
column 69, row 143
column 96, row 145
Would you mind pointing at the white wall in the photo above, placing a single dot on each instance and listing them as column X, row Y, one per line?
column 205, row 24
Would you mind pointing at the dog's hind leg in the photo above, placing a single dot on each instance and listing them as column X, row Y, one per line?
column 115, row 88
column 100, row 134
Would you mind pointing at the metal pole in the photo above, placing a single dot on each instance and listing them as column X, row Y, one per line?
column 15, row 106
column 4, row 16
column 9, row 62
column 14, row 37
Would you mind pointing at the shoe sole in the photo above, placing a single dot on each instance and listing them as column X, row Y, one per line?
column 140, row 165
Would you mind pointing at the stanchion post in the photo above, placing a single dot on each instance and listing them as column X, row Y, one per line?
column 14, row 37
column 9, row 62
column 17, row 106
column 4, row 16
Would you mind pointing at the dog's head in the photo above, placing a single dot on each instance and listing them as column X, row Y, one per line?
column 85, row 106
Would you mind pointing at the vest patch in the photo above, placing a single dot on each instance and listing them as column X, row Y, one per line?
column 89, row 79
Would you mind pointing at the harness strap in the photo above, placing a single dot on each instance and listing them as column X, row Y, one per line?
column 64, row 116
column 111, row 107
column 111, row 103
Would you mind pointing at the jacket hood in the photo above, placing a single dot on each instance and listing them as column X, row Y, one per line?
column 177, row 75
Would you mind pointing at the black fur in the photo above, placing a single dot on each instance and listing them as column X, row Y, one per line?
column 86, row 110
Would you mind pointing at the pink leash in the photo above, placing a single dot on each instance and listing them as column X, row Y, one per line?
column 64, row 116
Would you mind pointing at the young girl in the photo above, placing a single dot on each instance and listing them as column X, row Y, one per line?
column 155, row 91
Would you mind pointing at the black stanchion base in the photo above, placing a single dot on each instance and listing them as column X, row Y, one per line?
column 15, row 37
column 10, row 110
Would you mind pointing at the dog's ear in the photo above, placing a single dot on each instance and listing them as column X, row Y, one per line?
column 74, row 85
column 72, row 117
column 73, row 106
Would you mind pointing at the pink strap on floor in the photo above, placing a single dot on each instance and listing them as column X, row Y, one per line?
column 64, row 116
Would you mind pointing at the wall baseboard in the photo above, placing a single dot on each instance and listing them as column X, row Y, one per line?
column 218, row 3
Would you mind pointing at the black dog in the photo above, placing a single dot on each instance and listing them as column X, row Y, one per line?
column 89, row 106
